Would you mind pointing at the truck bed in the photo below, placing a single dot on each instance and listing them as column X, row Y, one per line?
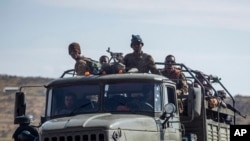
column 207, row 127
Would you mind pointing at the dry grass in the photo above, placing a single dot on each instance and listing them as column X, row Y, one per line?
column 35, row 102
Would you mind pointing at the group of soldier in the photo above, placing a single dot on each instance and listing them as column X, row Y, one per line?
column 140, row 62
column 137, row 61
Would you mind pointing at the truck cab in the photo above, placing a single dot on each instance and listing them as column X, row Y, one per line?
column 121, row 107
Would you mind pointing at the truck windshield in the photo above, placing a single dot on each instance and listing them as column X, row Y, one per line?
column 118, row 98
column 71, row 100
column 134, row 97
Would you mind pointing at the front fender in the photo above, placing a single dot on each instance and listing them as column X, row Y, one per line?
column 25, row 133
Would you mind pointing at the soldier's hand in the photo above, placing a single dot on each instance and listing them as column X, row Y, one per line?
column 178, row 92
column 213, row 102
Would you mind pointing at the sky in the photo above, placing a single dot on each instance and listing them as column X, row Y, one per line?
column 212, row 36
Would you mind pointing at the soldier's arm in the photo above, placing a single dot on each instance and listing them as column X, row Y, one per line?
column 184, row 84
column 80, row 67
column 152, row 66
column 127, row 62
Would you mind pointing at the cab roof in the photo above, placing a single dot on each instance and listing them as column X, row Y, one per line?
column 109, row 78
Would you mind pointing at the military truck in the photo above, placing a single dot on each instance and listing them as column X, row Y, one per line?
column 126, row 107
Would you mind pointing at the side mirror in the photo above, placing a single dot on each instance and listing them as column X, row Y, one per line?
column 20, row 106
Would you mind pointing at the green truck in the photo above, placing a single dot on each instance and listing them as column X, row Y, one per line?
column 126, row 107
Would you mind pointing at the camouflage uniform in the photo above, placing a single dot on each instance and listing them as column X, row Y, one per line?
column 144, row 63
column 179, row 78
column 82, row 65
column 209, row 96
column 181, row 84
column 110, row 68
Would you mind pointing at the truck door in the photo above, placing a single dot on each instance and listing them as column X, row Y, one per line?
column 173, row 126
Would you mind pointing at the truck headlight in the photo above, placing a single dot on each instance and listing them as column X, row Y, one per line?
column 170, row 108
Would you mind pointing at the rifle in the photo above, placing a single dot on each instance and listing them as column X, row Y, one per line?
column 222, row 95
column 226, row 105
column 234, row 110
column 115, row 56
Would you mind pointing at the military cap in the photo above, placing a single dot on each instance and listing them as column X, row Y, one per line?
column 74, row 46
column 136, row 39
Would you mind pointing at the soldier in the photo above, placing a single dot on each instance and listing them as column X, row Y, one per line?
column 108, row 67
column 206, row 84
column 209, row 96
column 139, row 60
column 104, row 59
column 69, row 104
column 105, row 66
column 81, row 66
column 175, row 74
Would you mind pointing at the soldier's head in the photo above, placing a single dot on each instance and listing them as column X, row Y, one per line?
column 221, row 93
column 74, row 50
column 169, row 61
column 136, row 43
column 202, row 78
column 69, row 100
column 104, row 59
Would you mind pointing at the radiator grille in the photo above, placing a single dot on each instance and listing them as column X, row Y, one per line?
column 75, row 136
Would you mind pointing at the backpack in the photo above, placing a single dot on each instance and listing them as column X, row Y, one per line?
column 93, row 65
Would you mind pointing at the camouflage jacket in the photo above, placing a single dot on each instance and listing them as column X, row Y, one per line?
column 84, row 65
column 143, row 62
column 178, row 77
